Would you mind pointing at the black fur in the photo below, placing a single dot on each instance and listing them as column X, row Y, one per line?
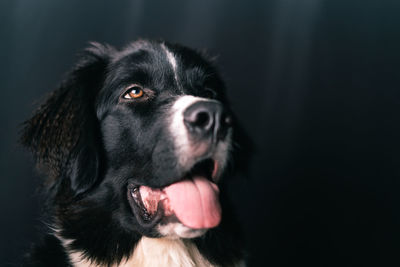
column 90, row 145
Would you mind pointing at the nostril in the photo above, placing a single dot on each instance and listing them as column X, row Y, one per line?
column 202, row 119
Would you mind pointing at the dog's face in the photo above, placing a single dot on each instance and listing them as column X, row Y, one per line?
column 134, row 143
column 166, row 136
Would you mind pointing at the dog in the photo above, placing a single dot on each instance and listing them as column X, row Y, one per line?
column 133, row 145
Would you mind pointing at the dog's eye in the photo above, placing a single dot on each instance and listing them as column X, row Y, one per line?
column 134, row 92
column 210, row 93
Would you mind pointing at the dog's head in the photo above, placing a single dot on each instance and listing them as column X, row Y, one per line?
column 133, row 143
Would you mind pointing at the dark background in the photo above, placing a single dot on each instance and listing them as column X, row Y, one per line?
column 315, row 84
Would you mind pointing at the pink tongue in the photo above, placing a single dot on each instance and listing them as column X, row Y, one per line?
column 195, row 202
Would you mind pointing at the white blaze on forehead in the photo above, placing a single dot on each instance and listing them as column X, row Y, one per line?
column 172, row 60
column 170, row 56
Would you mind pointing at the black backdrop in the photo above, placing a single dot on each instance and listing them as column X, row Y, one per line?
column 315, row 84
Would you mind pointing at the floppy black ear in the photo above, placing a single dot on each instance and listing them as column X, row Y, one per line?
column 63, row 134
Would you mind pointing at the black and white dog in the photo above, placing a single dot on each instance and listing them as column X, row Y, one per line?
column 133, row 144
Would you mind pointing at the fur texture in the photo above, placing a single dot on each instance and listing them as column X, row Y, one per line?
column 95, row 148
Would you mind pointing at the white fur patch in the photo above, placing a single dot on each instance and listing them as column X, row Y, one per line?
column 178, row 129
column 172, row 60
column 185, row 151
column 151, row 252
column 177, row 230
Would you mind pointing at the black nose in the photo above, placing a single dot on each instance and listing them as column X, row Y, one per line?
column 205, row 119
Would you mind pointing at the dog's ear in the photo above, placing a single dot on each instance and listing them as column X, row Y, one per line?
column 63, row 134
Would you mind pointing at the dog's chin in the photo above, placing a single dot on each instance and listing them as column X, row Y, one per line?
column 178, row 230
column 186, row 208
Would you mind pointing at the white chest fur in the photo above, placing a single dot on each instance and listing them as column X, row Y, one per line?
column 166, row 252
column 150, row 252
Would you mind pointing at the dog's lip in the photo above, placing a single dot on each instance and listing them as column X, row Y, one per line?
column 139, row 210
column 207, row 167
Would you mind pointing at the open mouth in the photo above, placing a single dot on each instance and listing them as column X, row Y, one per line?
column 193, row 200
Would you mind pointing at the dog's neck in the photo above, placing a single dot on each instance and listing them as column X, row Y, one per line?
column 150, row 252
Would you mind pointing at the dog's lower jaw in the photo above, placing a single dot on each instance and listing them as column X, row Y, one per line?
column 177, row 230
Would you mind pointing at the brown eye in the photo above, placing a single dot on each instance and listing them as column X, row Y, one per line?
column 210, row 93
column 134, row 92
